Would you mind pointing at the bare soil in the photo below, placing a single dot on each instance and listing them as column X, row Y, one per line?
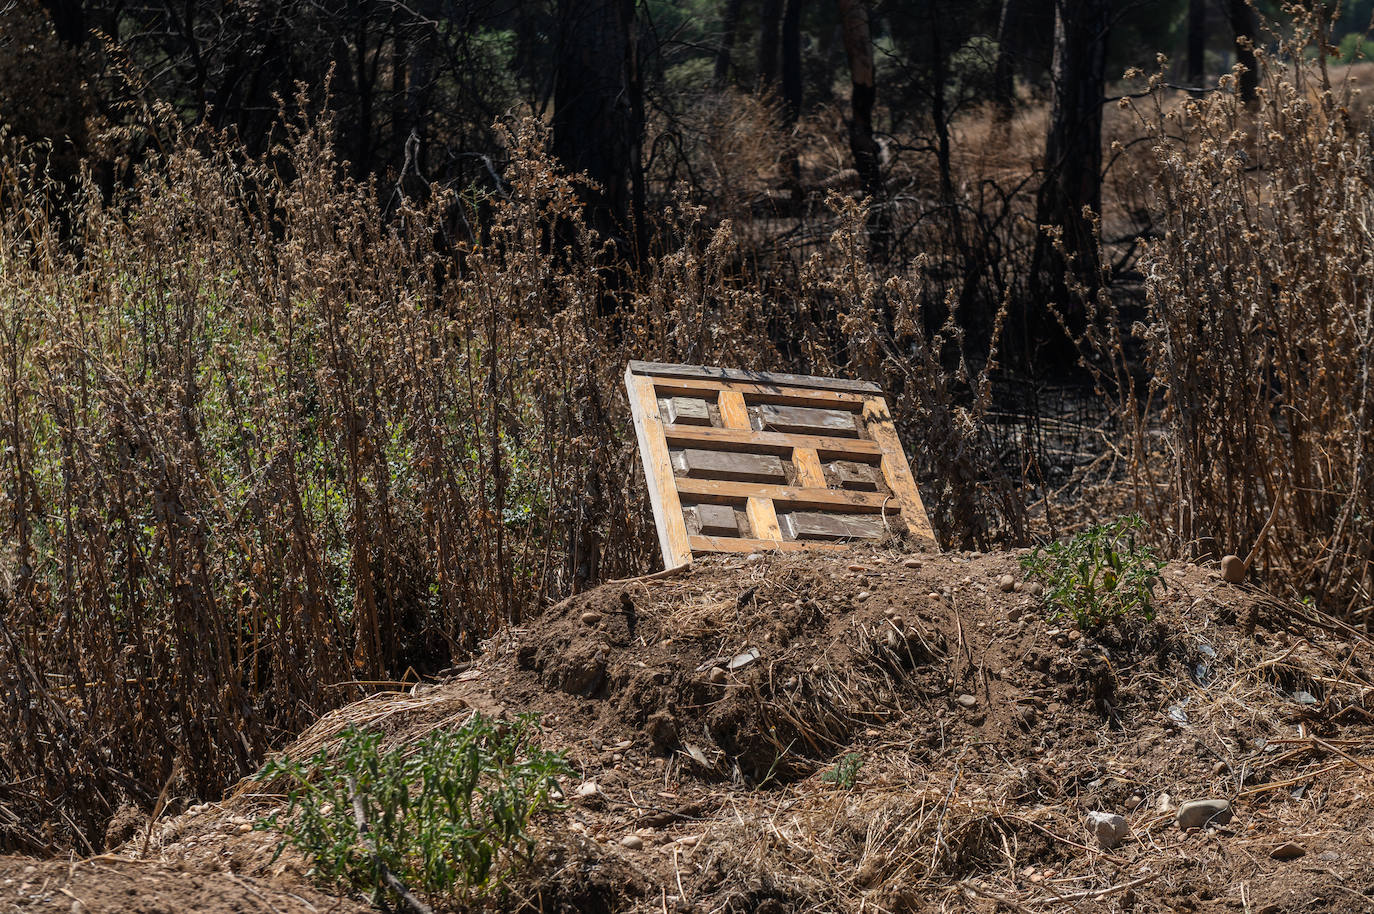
column 714, row 716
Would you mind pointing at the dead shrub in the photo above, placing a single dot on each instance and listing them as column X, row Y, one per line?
column 268, row 448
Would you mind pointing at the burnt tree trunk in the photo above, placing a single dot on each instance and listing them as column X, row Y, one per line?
column 729, row 27
column 792, row 90
column 770, row 19
column 68, row 20
column 791, row 62
column 1197, row 43
column 1011, row 32
column 598, row 119
column 1245, row 25
column 858, row 47
column 1072, row 190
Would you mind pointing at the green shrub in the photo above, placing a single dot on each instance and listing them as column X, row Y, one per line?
column 1098, row 575
column 443, row 816
column 846, row 771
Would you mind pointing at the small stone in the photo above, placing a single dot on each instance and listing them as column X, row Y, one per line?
column 1200, row 813
column 1109, row 829
column 863, row 595
column 717, row 675
column 1219, row 768
column 1035, row 588
column 1006, row 583
column 857, row 567
column 912, row 563
column 633, row 842
column 1018, row 587
column 967, row 701
column 1134, row 800
column 754, row 558
column 245, row 828
column 1015, row 613
column 897, row 621
column 1289, row 850
column 591, row 617
column 588, row 789
column 933, row 595
column 1232, row 569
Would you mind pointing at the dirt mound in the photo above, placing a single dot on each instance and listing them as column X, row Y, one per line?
column 883, row 731
column 114, row 884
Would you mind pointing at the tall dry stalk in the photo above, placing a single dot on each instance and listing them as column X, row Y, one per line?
column 266, row 447
column 1259, row 328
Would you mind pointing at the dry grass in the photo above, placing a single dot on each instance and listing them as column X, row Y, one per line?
column 1258, row 334
column 267, row 448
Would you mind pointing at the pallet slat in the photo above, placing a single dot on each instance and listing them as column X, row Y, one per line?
column 742, row 544
column 723, row 490
column 780, row 443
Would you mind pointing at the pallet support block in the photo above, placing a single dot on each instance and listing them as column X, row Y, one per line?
column 812, row 462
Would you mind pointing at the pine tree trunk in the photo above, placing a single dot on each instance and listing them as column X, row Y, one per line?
column 598, row 119
column 1073, row 160
column 729, row 27
column 1245, row 24
column 858, row 47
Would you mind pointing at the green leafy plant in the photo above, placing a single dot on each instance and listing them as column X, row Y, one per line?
column 1098, row 575
column 846, row 771
column 440, row 816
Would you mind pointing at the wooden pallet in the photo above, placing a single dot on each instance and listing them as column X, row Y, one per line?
column 745, row 461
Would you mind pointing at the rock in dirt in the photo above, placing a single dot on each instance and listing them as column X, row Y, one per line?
column 1035, row 588
column 1289, row 850
column 1200, row 813
column 967, row 701
column 1108, row 828
column 1232, row 569
column 717, row 675
column 912, row 563
column 633, row 842
column 591, row 617
column 740, row 661
column 663, row 731
column 1006, row 583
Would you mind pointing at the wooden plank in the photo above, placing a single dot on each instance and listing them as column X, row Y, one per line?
column 658, row 471
column 805, row 420
column 716, row 520
column 896, row 470
column 763, row 520
column 721, row 439
column 745, row 544
column 733, row 412
column 850, row 474
column 721, row 491
column 706, row 372
column 760, row 393
column 699, row 464
column 688, row 411
column 808, row 465
column 808, row 525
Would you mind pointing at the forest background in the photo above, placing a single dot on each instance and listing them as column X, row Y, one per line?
column 312, row 317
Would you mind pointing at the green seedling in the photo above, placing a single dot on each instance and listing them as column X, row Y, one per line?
column 1099, row 575
column 444, row 816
